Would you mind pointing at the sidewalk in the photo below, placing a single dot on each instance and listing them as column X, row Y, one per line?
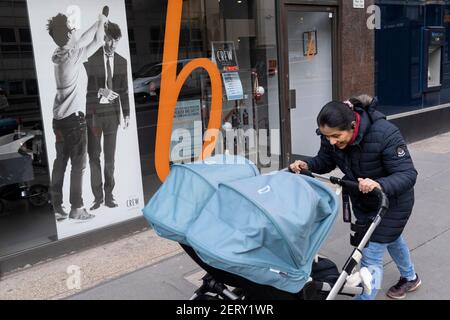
column 172, row 275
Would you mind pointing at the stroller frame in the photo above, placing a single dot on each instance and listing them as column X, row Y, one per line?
column 312, row 288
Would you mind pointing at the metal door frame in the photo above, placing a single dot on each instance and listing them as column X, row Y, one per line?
column 285, row 118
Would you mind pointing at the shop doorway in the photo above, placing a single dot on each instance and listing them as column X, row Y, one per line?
column 310, row 56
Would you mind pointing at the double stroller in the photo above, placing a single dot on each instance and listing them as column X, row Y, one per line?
column 257, row 236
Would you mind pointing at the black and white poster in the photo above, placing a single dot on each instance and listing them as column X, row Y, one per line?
column 84, row 74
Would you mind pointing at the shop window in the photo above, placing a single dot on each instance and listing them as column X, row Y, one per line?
column 9, row 48
column 131, row 35
column 19, row 3
column 132, row 41
column 15, row 87
column 26, row 48
column 156, row 48
column 156, row 41
column 156, row 33
column 26, row 218
column 32, row 87
column 133, row 49
column 25, row 35
column 12, row 3
column 7, row 35
column 206, row 26
column 129, row 4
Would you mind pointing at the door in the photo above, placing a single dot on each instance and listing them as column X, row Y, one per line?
column 310, row 65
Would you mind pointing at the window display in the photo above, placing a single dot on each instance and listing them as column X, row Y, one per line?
column 81, row 120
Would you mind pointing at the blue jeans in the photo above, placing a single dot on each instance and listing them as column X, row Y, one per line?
column 373, row 260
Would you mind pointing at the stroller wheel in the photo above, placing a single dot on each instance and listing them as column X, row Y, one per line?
column 39, row 195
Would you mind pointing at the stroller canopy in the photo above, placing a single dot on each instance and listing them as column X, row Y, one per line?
column 188, row 188
column 267, row 228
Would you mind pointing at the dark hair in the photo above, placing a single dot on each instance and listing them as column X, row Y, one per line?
column 336, row 114
column 112, row 30
column 363, row 101
column 340, row 115
column 58, row 29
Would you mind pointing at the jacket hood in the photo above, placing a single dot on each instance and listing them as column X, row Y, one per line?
column 369, row 115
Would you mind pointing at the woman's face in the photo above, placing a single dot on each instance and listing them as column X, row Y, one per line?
column 336, row 137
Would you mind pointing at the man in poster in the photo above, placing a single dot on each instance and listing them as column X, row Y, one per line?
column 69, row 124
column 107, row 106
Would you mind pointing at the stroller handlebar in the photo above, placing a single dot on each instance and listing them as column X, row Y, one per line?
column 353, row 185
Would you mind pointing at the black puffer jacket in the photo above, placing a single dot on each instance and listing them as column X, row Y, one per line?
column 379, row 153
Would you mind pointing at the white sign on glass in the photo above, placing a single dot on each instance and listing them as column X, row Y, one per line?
column 358, row 4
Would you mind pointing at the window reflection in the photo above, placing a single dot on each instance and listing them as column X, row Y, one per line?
column 26, row 218
column 250, row 26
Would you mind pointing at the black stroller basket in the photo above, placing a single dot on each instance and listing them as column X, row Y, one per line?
column 216, row 282
column 326, row 282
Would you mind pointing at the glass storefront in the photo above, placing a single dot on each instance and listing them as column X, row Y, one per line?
column 250, row 30
column 26, row 219
column 240, row 36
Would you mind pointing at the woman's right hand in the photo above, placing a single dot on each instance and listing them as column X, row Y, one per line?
column 298, row 166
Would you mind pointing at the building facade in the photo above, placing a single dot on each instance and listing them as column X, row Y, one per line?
column 279, row 62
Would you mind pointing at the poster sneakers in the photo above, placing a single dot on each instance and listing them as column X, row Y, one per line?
column 80, row 214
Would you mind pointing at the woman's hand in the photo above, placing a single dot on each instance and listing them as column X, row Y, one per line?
column 298, row 166
column 367, row 185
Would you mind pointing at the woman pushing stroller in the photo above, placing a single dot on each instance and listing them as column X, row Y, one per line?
column 367, row 148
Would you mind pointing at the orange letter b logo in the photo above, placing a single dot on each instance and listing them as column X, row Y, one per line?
column 171, row 86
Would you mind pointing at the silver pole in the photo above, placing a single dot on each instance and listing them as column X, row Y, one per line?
column 356, row 256
column 337, row 286
column 193, row 297
column 230, row 294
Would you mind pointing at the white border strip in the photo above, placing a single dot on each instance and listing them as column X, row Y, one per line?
column 409, row 113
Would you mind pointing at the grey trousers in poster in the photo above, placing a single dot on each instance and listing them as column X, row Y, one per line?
column 71, row 143
column 105, row 124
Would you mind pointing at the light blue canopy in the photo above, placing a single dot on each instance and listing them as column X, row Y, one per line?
column 188, row 188
column 266, row 228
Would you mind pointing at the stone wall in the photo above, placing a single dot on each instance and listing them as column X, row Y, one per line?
column 356, row 49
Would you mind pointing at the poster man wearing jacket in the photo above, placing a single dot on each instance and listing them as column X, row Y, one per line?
column 107, row 107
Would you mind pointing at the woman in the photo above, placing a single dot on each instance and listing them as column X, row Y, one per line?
column 367, row 148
